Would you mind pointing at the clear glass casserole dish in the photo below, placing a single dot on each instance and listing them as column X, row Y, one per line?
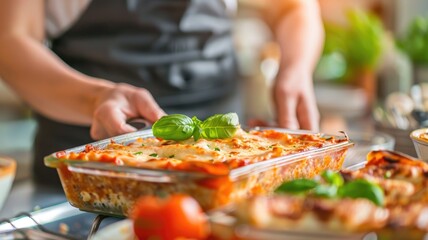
column 223, row 225
column 111, row 189
column 403, row 215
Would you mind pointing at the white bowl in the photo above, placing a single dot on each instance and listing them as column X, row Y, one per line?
column 7, row 174
column 420, row 141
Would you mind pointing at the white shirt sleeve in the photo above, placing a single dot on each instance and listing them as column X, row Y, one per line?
column 61, row 14
column 231, row 5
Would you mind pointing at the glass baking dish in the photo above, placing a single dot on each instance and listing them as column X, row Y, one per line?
column 110, row 189
column 224, row 226
column 227, row 222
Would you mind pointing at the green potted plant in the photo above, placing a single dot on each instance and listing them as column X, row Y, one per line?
column 415, row 44
column 351, row 53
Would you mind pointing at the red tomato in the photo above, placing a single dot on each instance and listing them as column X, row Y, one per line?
column 178, row 216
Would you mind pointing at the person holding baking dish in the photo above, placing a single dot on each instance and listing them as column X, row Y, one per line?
column 109, row 61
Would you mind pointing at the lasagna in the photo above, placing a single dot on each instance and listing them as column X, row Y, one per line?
column 108, row 176
column 216, row 156
column 403, row 180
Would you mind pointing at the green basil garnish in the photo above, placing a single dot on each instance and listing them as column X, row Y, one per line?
column 174, row 127
column 297, row 186
column 361, row 188
column 180, row 127
column 325, row 191
column 198, row 131
column 332, row 178
column 220, row 126
column 333, row 186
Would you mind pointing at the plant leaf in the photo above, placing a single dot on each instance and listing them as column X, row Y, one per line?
column 361, row 188
column 297, row 186
column 220, row 126
column 326, row 191
column 332, row 178
column 174, row 127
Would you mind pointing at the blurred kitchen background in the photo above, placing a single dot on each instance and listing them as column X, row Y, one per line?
column 371, row 79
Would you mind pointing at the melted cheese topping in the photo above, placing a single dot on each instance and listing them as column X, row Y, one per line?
column 242, row 149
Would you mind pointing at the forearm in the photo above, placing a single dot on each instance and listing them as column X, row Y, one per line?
column 46, row 83
column 301, row 36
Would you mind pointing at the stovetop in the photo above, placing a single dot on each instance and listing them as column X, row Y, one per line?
column 62, row 221
column 30, row 204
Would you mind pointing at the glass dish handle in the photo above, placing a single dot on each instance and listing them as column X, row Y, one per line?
column 139, row 123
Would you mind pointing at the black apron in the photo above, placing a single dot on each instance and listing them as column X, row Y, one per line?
column 180, row 50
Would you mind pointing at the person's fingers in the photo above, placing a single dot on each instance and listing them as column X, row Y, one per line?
column 97, row 129
column 100, row 130
column 308, row 114
column 109, row 120
column 124, row 102
column 255, row 122
column 146, row 105
column 286, row 109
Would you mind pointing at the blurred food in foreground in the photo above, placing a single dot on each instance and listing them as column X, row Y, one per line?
column 388, row 195
column 173, row 217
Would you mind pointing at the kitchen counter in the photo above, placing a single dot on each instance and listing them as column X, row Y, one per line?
column 50, row 208
column 26, row 196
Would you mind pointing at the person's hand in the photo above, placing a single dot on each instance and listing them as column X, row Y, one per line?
column 117, row 105
column 295, row 101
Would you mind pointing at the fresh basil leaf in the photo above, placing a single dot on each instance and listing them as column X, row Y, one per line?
column 173, row 127
column 326, row 191
column 180, row 127
column 363, row 189
column 332, row 178
column 220, row 126
column 196, row 121
column 297, row 186
column 197, row 131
